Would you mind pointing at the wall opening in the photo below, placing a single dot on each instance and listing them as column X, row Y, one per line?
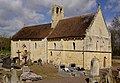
column 73, row 45
column 60, row 10
column 54, row 45
column 51, row 53
column 16, row 44
column 104, row 62
column 57, row 10
column 35, row 45
column 97, row 45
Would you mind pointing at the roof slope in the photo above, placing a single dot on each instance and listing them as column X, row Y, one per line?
column 33, row 32
column 72, row 27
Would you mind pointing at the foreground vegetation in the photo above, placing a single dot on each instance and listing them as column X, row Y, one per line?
column 115, row 35
column 116, row 61
column 4, row 52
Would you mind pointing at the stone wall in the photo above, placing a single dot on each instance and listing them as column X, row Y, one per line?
column 36, row 48
column 64, row 53
column 57, row 14
column 97, row 43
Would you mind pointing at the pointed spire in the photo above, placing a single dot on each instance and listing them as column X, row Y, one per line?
column 99, row 8
column 99, row 5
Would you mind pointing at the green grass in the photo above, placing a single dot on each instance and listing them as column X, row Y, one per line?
column 4, row 52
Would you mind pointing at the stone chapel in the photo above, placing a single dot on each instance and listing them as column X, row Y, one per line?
column 66, row 40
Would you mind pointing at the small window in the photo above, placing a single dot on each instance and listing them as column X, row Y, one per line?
column 57, row 10
column 35, row 45
column 51, row 53
column 60, row 10
column 73, row 45
column 105, row 58
column 54, row 45
column 97, row 45
column 16, row 44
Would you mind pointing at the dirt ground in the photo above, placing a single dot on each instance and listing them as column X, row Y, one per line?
column 50, row 75
column 47, row 71
column 64, row 80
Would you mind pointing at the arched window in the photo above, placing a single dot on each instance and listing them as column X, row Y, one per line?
column 104, row 63
column 35, row 45
column 97, row 45
column 51, row 53
column 16, row 44
column 73, row 45
column 57, row 10
column 54, row 45
column 60, row 10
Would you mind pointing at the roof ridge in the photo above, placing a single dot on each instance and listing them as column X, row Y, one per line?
column 36, row 25
column 78, row 16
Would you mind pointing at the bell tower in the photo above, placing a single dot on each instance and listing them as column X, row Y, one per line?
column 57, row 14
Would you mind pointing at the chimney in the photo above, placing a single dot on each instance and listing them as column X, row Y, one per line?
column 57, row 14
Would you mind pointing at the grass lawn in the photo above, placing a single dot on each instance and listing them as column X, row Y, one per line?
column 4, row 52
column 116, row 62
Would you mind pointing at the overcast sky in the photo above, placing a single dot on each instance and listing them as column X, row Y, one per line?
column 14, row 14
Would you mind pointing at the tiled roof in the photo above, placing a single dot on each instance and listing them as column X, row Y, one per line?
column 72, row 27
column 33, row 32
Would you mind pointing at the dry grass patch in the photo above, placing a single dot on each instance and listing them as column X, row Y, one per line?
column 47, row 71
column 116, row 62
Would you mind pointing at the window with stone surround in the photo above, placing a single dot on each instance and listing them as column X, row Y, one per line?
column 54, row 45
column 35, row 45
column 57, row 10
column 97, row 45
column 16, row 44
column 60, row 10
column 51, row 53
column 74, row 45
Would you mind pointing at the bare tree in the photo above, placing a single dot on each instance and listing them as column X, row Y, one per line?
column 4, row 41
column 115, row 35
